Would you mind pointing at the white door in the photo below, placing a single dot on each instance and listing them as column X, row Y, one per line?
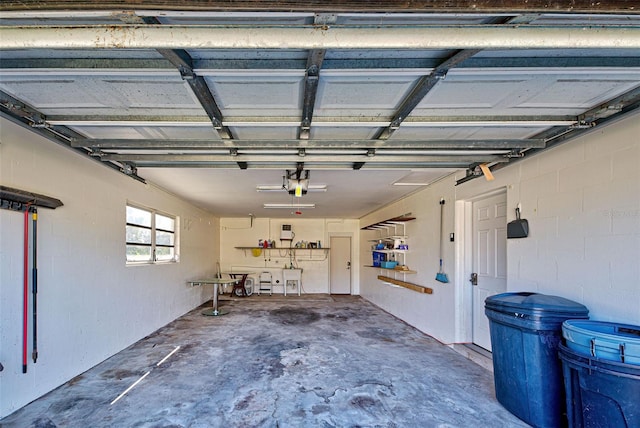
column 340, row 265
column 489, row 275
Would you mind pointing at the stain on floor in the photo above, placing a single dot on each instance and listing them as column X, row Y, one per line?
column 310, row 361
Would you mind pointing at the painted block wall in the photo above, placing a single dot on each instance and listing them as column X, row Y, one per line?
column 430, row 313
column 582, row 201
column 90, row 304
column 238, row 232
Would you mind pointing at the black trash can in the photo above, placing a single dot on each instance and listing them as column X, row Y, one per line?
column 526, row 330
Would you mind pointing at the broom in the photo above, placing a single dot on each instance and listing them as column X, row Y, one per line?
column 441, row 276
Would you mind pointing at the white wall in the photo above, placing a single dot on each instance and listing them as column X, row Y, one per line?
column 582, row 201
column 90, row 304
column 238, row 232
column 431, row 313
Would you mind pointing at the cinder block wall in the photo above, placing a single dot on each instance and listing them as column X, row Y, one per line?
column 90, row 304
column 582, row 201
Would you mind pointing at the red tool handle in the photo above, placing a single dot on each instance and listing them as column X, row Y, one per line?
column 25, row 307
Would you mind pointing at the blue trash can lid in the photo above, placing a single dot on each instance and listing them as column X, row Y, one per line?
column 535, row 304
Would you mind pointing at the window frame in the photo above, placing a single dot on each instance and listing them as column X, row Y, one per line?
column 153, row 245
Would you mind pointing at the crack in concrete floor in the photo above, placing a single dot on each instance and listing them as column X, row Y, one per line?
column 311, row 361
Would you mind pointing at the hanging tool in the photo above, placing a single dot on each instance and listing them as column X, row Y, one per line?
column 27, row 202
column 441, row 276
column 25, row 304
column 34, row 283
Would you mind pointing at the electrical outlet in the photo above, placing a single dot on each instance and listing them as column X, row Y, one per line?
column 451, row 237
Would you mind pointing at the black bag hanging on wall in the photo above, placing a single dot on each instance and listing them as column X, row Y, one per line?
column 518, row 228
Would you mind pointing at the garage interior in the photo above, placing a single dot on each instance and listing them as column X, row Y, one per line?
column 350, row 125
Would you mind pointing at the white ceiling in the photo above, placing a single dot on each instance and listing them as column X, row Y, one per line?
column 362, row 137
column 232, row 193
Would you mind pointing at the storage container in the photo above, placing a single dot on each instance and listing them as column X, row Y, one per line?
column 600, row 393
column 388, row 265
column 604, row 340
column 526, row 329
column 379, row 257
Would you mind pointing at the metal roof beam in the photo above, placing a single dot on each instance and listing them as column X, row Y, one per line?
column 327, row 159
column 422, row 88
column 315, row 59
column 181, row 59
column 414, row 121
column 202, row 66
column 150, row 144
column 311, row 79
column 427, row 83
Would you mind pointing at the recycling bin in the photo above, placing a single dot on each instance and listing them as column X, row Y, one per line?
column 601, row 368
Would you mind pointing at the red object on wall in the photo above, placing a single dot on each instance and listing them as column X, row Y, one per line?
column 25, row 307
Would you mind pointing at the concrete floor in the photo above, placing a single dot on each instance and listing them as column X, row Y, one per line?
column 310, row 361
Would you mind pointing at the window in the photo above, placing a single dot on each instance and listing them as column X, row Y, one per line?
column 151, row 236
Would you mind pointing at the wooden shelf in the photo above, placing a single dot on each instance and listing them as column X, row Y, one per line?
column 391, row 269
column 410, row 286
column 281, row 248
column 389, row 238
column 388, row 223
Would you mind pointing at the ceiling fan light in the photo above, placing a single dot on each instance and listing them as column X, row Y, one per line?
column 289, row 206
column 297, row 187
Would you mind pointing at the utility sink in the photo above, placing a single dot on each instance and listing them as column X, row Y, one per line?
column 292, row 276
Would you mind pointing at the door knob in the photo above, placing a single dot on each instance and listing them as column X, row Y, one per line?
column 474, row 279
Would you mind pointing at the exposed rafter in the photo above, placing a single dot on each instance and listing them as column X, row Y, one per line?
column 332, row 158
column 345, row 64
column 181, row 59
column 414, row 121
column 427, row 83
column 396, row 50
column 153, row 144
column 311, row 79
column 421, row 89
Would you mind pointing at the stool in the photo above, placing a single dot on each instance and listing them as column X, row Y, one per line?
column 265, row 283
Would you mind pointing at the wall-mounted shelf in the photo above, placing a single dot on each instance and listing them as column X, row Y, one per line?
column 392, row 251
column 410, row 286
column 389, row 223
column 392, row 269
column 284, row 251
column 283, row 248
column 392, row 230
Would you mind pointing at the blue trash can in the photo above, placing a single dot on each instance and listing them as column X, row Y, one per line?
column 600, row 393
column 526, row 330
